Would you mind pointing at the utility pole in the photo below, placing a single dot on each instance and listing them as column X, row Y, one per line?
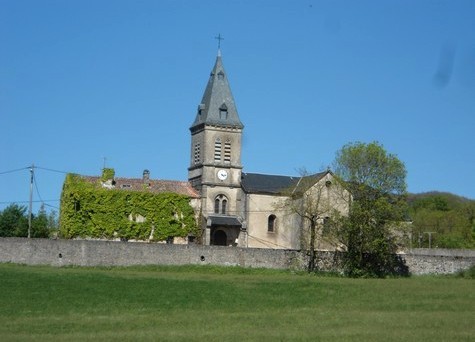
column 32, row 168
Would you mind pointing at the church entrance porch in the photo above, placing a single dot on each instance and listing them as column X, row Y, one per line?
column 219, row 238
column 224, row 236
column 223, row 230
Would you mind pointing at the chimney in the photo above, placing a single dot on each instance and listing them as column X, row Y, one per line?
column 146, row 175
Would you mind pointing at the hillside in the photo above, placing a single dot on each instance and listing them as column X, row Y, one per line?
column 448, row 219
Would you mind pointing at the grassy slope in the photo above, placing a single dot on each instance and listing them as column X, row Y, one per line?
column 216, row 304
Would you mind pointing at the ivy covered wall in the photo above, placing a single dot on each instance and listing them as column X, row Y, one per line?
column 90, row 210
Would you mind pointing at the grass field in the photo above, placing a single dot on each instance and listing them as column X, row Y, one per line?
column 228, row 304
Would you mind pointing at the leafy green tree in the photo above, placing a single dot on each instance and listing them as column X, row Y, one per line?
column 13, row 221
column 53, row 223
column 377, row 182
column 40, row 225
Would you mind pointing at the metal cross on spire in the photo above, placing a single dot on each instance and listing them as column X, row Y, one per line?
column 219, row 38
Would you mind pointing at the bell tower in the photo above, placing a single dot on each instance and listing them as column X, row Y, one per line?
column 216, row 135
column 215, row 161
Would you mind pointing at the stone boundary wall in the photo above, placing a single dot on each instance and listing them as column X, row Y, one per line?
column 114, row 253
column 438, row 260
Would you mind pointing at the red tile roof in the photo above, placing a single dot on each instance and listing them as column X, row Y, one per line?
column 151, row 185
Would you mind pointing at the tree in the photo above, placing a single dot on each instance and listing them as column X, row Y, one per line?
column 41, row 225
column 377, row 182
column 315, row 199
column 13, row 221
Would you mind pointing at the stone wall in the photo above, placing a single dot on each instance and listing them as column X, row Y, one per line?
column 115, row 253
column 438, row 261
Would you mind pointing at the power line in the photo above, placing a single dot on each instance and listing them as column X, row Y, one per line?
column 38, row 192
column 33, row 181
column 36, row 187
column 266, row 242
column 51, row 206
column 38, row 201
column 51, row 170
column 35, row 167
column 15, row 170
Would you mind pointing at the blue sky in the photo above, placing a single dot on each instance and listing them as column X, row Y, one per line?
column 83, row 80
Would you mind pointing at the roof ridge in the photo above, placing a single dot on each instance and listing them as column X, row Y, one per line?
column 268, row 174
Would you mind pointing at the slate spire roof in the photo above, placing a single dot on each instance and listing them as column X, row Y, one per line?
column 217, row 106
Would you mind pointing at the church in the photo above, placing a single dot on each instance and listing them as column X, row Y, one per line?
column 249, row 209
column 233, row 207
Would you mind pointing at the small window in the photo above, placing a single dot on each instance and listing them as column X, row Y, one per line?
column 220, row 75
column 77, row 206
column 126, row 186
column 223, row 112
column 201, row 107
column 326, row 225
column 271, row 224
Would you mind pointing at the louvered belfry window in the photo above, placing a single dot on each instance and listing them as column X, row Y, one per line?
column 227, row 152
column 197, row 153
column 217, row 150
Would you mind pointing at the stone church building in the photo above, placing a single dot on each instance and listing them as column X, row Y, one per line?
column 249, row 209
column 236, row 208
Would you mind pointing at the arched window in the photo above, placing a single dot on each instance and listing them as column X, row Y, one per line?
column 224, row 202
column 271, row 223
column 220, row 204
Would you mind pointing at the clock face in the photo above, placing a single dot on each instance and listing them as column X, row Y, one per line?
column 222, row 174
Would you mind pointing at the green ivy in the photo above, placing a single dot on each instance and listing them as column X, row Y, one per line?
column 107, row 174
column 89, row 210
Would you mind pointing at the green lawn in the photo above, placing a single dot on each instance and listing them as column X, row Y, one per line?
column 226, row 304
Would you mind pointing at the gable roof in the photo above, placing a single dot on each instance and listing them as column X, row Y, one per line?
column 217, row 98
column 155, row 186
column 256, row 183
